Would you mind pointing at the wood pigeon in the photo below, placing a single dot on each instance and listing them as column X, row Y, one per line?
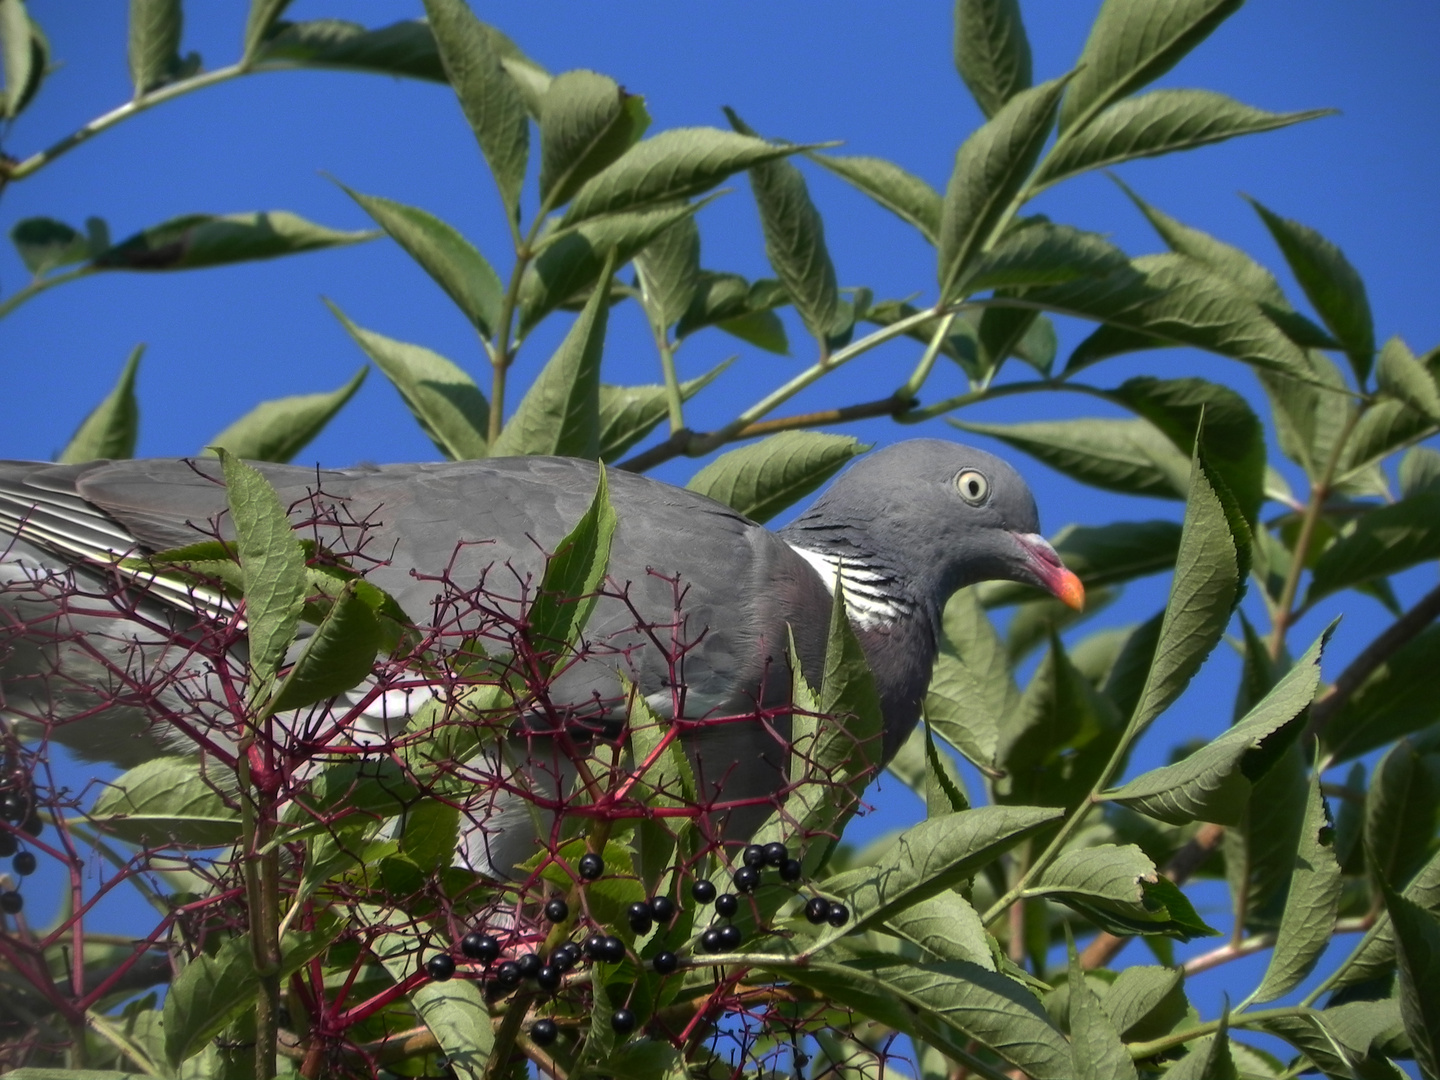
column 696, row 615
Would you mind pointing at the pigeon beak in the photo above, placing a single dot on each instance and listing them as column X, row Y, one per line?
column 1049, row 572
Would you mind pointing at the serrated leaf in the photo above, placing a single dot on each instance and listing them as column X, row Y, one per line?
column 1175, row 300
column 1417, row 940
column 273, row 563
column 167, row 800
column 1386, row 426
column 795, row 242
column 586, row 122
column 1259, row 851
column 1129, row 456
column 972, row 690
column 560, row 413
column 573, row 575
column 902, row 193
column 761, row 479
column 1308, row 922
column 1160, row 122
column 45, row 244
column 1402, row 376
column 1402, row 810
column 1332, row 285
column 730, row 303
column 1209, row 1059
column 946, row 927
column 629, row 413
column 1039, row 253
column 488, row 96
column 197, row 240
column 573, row 259
column 1134, row 42
column 1374, row 957
column 259, row 23
column 336, row 657
column 1379, row 543
column 451, row 410
column 278, row 430
column 990, row 168
column 1140, row 996
column 1119, row 889
column 675, row 164
column 451, row 260
column 404, row 49
column 992, row 53
column 668, row 268
column 1308, row 419
column 113, row 426
column 155, row 28
column 1419, row 471
column 1099, row 1053
column 1393, row 701
column 1213, row 783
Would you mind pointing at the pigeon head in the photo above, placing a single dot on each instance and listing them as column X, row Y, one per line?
column 923, row 518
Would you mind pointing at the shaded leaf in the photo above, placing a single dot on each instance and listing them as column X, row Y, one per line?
column 167, row 800
column 1144, row 996
column 336, row 657
column 761, row 479
column 1378, row 543
column 1209, row 1059
column 155, row 28
column 1094, row 1041
column 1419, row 471
column 1404, row 377
column 573, row 575
column 1402, row 810
column 278, row 430
column 629, row 413
column 1259, row 851
column 972, row 690
column 668, row 268
column 1039, row 253
column 45, row 244
column 992, row 53
column 403, row 49
column 17, row 58
column 112, row 427
column 732, row 304
column 902, row 193
column 451, row 410
column 1119, row 889
column 1374, row 957
column 196, row 240
column 586, row 122
column 1417, row 939
column 260, row 21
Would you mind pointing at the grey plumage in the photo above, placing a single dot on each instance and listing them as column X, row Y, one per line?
column 719, row 589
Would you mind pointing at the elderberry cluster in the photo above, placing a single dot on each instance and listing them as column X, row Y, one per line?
column 17, row 808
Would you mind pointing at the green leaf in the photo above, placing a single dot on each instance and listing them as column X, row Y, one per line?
column 1259, row 851
column 167, row 800
column 1129, row 456
column 278, row 430
column 560, row 413
column 273, row 563
column 1209, row 1059
column 488, row 96
column 1143, row 999
column 1094, row 1040
column 586, row 122
column 444, row 399
column 668, row 268
column 760, row 479
column 1379, row 543
column 1309, row 919
column 902, row 193
column 1332, row 284
column 675, row 164
column 1419, row 471
column 1160, row 122
column 336, row 657
column 949, row 1005
column 1039, row 253
column 1402, row 376
column 197, row 240
column 17, row 59
column 1118, row 888
column 1208, row 578
column 260, row 22
column 155, row 28
column 45, row 244
column 931, row 858
column 445, row 255
column 573, row 575
column 1308, row 419
column 1214, row 782
column 972, row 689
column 946, row 927
column 1176, row 301
column 1374, row 957
column 992, row 53
column 795, row 243
column 112, row 427
column 404, row 49
column 990, row 168
column 732, row 304
column 629, row 413
column 1417, row 939
column 1004, row 332
column 211, row 989
column 572, row 259
column 1402, row 810
column 1134, row 42
column 1394, row 700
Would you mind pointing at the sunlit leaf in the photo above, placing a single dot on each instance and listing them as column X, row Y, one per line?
column 113, row 426
column 278, row 430
column 992, row 53
column 763, row 478
column 167, row 800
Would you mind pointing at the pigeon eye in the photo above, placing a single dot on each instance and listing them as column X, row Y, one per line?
column 973, row 486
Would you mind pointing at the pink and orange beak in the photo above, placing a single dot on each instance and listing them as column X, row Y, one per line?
column 1049, row 572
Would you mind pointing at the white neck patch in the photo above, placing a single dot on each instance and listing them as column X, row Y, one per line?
column 866, row 602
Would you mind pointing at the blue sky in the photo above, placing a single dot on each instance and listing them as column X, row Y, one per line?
column 878, row 76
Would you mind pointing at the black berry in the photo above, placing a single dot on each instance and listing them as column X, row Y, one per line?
column 710, row 940
column 562, row 960
column 838, row 915
column 478, row 946
column 622, row 1021
column 614, row 950
column 663, row 908
column 440, row 966
column 747, row 879
column 665, row 962
column 595, row 945
column 591, row 866
column 548, row 978
column 12, row 806
column 8, row 844
column 33, row 825
column 817, row 910
column 640, row 917
column 507, row 974
column 571, row 951
column 11, row 903
column 556, row 910
column 703, row 891
column 776, row 854
column 544, row 1032
column 730, row 937
column 529, row 964
column 791, row 869
column 754, row 856
column 727, row 904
